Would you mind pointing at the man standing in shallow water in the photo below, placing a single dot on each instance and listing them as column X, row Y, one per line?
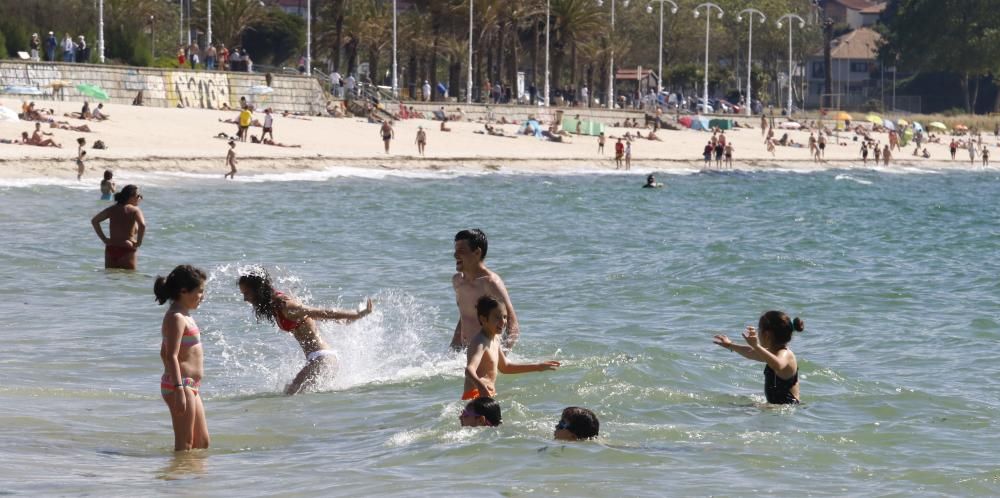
column 473, row 281
column 127, row 227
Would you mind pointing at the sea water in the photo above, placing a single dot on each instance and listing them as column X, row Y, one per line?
column 895, row 275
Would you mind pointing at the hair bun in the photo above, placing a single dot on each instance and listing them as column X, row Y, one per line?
column 798, row 325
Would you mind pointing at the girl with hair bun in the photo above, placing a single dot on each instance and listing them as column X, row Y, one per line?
column 182, row 355
column 781, row 375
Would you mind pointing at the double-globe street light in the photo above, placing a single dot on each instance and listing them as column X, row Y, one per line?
column 708, row 17
column 750, row 13
column 649, row 10
column 802, row 24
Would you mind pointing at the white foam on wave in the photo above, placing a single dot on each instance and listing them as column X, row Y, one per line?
column 843, row 177
column 397, row 343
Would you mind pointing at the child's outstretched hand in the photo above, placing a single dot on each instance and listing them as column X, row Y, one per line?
column 722, row 341
column 550, row 365
column 751, row 337
column 368, row 308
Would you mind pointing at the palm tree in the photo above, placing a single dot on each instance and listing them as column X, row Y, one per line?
column 231, row 18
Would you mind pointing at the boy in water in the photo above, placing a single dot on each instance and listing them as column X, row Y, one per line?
column 485, row 359
column 481, row 412
column 473, row 281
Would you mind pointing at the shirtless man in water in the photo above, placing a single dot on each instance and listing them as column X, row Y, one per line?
column 473, row 281
column 128, row 226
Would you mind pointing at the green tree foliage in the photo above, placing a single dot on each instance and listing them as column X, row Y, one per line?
column 279, row 38
column 957, row 36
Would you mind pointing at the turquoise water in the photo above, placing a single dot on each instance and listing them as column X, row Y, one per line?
column 894, row 274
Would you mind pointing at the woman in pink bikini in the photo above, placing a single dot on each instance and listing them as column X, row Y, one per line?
column 182, row 355
column 292, row 316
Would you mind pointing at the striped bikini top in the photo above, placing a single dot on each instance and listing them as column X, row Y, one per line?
column 191, row 337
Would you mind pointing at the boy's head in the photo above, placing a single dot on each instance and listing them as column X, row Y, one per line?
column 577, row 423
column 492, row 315
column 481, row 412
column 470, row 247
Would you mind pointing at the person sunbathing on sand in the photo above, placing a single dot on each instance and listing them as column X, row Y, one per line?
column 268, row 141
column 652, row 136
column 63, row 125
column 36, row 139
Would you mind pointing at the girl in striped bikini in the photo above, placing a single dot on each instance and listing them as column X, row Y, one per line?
column 183, row 359
column 292, row 316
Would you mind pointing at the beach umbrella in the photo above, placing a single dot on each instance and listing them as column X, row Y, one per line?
column 685, row 120
column 871, row 118
column 889, row 125
column 22, row 90
column 843, row 116
column 961, row 127
column 92, row 91
column 938, row 125
column 8, row 115
column 902, row 122
column 917, row 126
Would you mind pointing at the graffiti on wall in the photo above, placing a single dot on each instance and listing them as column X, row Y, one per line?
column 203, row 90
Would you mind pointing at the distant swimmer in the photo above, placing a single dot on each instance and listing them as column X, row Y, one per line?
column 473, row 281
column 231, row 161
column 481, row 412
column 485, row 358
column 651, row 182
column 781, row 375
column 292, row 316
column 182, row 355
column 107, row 186
column 577, row 424
column 127, row 227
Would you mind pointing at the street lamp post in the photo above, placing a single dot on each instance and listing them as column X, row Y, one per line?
column 468, row 86
column 208, row 30
column 649, row 10
column 548, row 22
column 802, row 24
column 395, row 78
column 100, row 31
column 708, row 17
column 750, row 13
column 611, row 47
column 180, row 26
column 309, row 38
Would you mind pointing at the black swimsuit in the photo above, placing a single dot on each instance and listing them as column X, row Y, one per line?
column 777, row 390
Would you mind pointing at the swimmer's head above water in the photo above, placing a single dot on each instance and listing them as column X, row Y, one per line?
column 481, row 412
column 577, row 423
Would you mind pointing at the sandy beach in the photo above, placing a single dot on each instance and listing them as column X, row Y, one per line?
column 151, row 139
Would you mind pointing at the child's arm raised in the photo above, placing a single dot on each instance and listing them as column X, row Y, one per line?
column 515, row 368
column 745, row 351
column 778, row 363
column 296, row 311
column 473, row 357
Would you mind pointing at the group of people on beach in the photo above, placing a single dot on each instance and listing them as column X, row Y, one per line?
column 487, row 328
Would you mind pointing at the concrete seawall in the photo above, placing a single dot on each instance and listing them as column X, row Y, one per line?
column 161, row 87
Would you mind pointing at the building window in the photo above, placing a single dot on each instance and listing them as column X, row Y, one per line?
column 817, row 69
column 859, row 67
